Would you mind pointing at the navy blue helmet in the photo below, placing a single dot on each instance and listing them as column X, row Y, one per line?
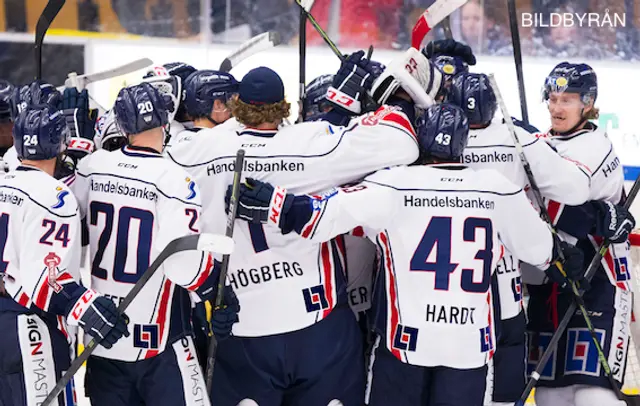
column 203, row 87
column 443, row 131
column 40, row 133
column 34, row 94
column 315, row 102
column 572, row 78
column 473, row 93
column 450, row 66
column 140, row 108
column 6, row 95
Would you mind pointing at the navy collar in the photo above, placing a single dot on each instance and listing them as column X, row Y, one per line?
column 145, row 152
column 26, row 168
column 258, row 133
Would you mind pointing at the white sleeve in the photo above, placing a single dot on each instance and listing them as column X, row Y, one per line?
column 522, row 231
column 558, row 178
column 366, row 204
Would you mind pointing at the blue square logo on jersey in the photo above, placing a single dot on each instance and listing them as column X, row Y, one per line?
column 582, row 355
column 486, row 342
column 146, row 336
column 622, row 269
column 315, row 298
column 406, row 338
column 538, row 344
column 516, row 288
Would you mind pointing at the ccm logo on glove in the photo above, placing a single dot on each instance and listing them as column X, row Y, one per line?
column 277, row 201
column 339, row 97
column 81, row 305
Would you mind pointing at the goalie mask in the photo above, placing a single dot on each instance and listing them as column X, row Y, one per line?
column 167, row 85
column 108, row 136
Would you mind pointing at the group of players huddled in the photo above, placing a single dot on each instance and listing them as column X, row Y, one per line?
column 382, row 244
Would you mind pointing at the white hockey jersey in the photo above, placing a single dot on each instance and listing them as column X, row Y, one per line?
column 135, row 202
column 440, row 229
column 592, row 148
column 10, row 159
column 40, row 241
column 284, row 283
column 360, row 260
column 558, row 178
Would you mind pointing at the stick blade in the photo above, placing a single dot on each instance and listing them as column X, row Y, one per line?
column 433, row 16
column 88, row 78
column 49, row 13
column 216, row 243
column 251, row 47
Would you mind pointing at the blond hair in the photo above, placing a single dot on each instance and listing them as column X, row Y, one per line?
column 254, row 115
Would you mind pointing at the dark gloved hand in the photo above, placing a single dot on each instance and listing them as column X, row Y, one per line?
column 261, row 203
column 449, row 47
column 81, row 119
column 528, row 127
column 572, row 269
column 614, row 222
column 223, row 317
column 98, row 317
column 351, row 83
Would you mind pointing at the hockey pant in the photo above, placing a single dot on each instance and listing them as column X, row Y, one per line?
column 575, row 360
column 33, row 355
column 309, row 367
column 393, row 382
column 171, row 378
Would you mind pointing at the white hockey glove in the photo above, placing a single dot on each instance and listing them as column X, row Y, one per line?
column 412, row 72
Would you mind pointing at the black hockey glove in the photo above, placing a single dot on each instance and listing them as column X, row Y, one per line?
column 572, row 268
column 261, row 203
column 98, row 317
column 449, row 47
column 613, row 222
column 81, row 119
column 223, row 317
column 351, row 83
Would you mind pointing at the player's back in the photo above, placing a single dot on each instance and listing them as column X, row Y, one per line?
column 438, row 254
column 285, row 283
column 124, row 197
column 36, row 208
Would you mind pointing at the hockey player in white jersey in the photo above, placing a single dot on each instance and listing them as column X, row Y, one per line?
column 491, row 146
column 295, row 325
column 574, row 375
column 440, row 228
column 135, row 203
column 207, row 93
column 42, row 303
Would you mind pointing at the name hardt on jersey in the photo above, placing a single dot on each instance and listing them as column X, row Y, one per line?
column 256, row 166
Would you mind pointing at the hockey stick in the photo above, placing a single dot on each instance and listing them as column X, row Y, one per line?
column 517, row 56
column 307, row 12
column 251, row 47
column 446, row 26
column 438, row 11
column 200, row 242
column 231, row 219
column 302, row 51
column 81, row 81
column 49, row 14
column 566, row 319
column 545, row 215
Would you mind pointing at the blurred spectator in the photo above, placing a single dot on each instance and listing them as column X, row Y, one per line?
column 479, row 31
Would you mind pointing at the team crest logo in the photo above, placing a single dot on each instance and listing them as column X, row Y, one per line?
column 146, row 336
column 406, row 338
column 561, row 81
column 315, row 298
column 582, row 355
column 538, row 343
column 449, row 69
column 486, row 341
column 192, row 188
column 52, row 261
column 61, row 196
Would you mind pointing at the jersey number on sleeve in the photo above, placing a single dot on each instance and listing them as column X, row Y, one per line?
column 126, row 215
column 438, row 234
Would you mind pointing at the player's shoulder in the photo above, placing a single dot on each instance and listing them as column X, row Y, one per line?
column 492, row 181
column 89, row 163
column 176, row 183
column 497, row 135
column 42, row 190
column 204, row 146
